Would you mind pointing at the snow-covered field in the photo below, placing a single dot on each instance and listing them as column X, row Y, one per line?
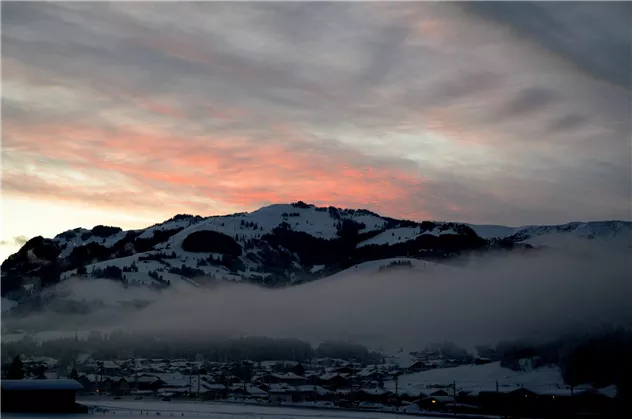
column 223, row 410
column 476, row 378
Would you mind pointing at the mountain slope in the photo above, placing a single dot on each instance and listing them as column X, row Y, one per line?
column 273, row 246
column 277, row 245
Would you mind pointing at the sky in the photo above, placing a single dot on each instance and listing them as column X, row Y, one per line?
column 497, row 113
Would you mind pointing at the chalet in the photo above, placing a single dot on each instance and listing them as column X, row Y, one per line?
column 123, row 386
column 43, row 396
column 110, row 368
column 439, row 393
column 347, row 369
column 214, row 391
column 113, row 384
column 288, row 378
column 280, row 393
column 334, row 381
column 435, row 402
column 146, row 382
column 372, row 395
column 416, row 366
column 89, row 383
column 312, row 392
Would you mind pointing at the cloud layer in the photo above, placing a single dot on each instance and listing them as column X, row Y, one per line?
column 496, row 297
column 493, row 113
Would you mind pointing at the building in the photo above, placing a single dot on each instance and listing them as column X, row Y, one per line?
column 44, row 396
column 288, row 378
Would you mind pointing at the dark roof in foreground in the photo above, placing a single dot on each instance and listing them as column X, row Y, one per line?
column 61, row 384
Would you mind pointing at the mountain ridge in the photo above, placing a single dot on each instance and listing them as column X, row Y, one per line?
column 276, row 245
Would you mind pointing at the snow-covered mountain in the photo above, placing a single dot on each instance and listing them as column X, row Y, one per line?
column 274, row 246
column 612, row 233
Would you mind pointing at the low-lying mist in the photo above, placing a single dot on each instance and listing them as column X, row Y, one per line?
column 493, row 297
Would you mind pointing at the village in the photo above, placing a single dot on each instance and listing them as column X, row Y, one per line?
column 323, row 383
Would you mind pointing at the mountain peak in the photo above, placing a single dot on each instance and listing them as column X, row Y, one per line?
column 276, row 245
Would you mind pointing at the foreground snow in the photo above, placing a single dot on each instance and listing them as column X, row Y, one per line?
column 225, row 410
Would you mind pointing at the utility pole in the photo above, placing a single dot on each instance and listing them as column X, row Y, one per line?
column 496, row 386
column 135, row 373
column 454, row 396
column 246, row 369
column 190, row 378
column 198, row 389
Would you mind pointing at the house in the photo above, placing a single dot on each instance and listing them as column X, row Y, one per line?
column 214, row 391
column 334, row 381
column 416, row 366
column 439, row 393
column 146, row 382
column 288, row 378
column 372, row 395
column 435, row 402
column 89, row 383
column 110, row 367
column 113, row 384
column 280, row 393
column 122, row 386
column 347, row 369
column 313, row 392
column 43, row 396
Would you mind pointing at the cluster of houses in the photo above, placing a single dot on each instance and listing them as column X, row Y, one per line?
column 275, row 381
column 334, row 381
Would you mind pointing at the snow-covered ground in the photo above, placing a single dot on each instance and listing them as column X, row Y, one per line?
column 612, row 233
column 373, row 267
column 225, row 410
column 403, row 234
column 476, row 378
column 7, row 304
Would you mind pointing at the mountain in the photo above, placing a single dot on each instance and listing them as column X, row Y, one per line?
column 274, row 246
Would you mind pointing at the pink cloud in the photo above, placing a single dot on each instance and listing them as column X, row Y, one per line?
column 218, row 168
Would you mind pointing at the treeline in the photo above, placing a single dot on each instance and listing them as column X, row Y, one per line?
column 602, row 357
column 396, row 264
column 215, row 349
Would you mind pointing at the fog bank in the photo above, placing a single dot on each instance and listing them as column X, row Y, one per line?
column 493, row 297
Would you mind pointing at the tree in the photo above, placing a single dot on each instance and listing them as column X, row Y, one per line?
column 74, row 374
column 40, row 372
column 299, row 369
column 16, row 370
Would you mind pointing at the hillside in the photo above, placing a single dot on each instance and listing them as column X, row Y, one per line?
column 274, row 246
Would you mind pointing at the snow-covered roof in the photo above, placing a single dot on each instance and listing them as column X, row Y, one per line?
column 26, row 385
column 288, row 376
column 309, row 389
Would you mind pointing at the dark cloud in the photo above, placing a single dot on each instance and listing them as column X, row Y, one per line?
column 529, row 100
column 568, row 122
column 595, row 36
